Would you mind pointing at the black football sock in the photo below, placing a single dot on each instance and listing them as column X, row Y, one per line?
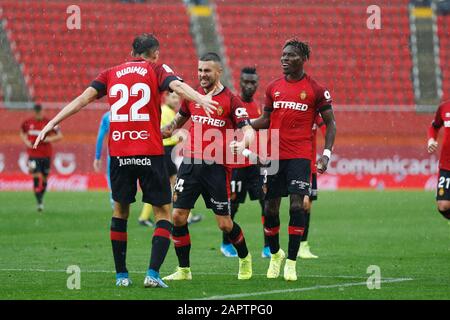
column 307, row 218
column 271, row 231
column 234, row 208
column 37, row 188
column 182, row 243
column 119, row 243
column 296, row 231
column 266, row 241
column 238, row 240
column 160, row 244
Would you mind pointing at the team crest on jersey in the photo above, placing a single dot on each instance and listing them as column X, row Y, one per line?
column 303, row 95
column 441, row 192
column 219, row 110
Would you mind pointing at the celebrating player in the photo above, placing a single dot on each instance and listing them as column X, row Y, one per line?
column 39, row 158
column 245, row 177
column 135, row 145
column 442, row 118
column 292, row 103
column 204, row 171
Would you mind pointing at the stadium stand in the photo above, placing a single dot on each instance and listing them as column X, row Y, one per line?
column 360, row 66
column 59, row 63
column 444, row 52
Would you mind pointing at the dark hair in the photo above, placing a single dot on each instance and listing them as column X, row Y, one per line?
column 248, row 70
column 211, row 56
column 144, row 44
column 303, row 47
column 37, row 107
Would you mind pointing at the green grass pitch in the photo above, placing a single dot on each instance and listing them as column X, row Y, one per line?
column 399, row 231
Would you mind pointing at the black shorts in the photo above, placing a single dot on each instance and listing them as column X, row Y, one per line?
column 245, row 180
column 153, row 179
column 293, row 177
column 314, row 192
column 443, row 186
column 39, row 165
column 212, row 181
column 171, row 167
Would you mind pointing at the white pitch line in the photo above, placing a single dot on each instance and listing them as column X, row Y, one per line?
column 195, row 273
column 252, row 294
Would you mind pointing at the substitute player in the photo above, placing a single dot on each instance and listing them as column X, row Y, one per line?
column 245, row 177
column 39, row 159
column 204, row 169
column 134, row 93
column 292, row 103
column 442, row 118
column 305, row 251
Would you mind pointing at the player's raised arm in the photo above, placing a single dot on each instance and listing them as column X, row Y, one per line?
column 186, row 92
column 89, row 95
column 330, row 135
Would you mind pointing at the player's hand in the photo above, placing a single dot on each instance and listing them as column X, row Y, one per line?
column 237, row 147
column 166, row 132
column 97, row 165
column 41, row 137
column 322, row 164
column 432, row 145
column 208, row 104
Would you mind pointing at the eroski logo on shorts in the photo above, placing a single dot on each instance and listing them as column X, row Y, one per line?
column 132, row 135
column 134, row 161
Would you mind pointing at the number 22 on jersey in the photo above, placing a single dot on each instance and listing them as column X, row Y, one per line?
column 125, row 94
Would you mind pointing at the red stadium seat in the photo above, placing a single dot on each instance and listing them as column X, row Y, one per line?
column 60, row 63
column 361, row 66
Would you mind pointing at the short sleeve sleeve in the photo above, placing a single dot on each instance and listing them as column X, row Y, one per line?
column 437, row 121
column 323, row 98
column 184, row 109
column 165, row 76
column 268, row 102
column 100, row 84
column 238, row 112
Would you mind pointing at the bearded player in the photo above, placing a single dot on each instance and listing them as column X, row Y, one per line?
column 204, row 170
column 135, row 146
column 291, row 105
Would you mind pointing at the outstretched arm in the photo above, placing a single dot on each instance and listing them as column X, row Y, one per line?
column 330, row 134
column 89, row 95
column 186, row 92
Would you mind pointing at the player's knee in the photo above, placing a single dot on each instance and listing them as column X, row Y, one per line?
column 225, row 225
column 445, row 213
column 297, row 206
column 179, row 217
column 443, row 206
